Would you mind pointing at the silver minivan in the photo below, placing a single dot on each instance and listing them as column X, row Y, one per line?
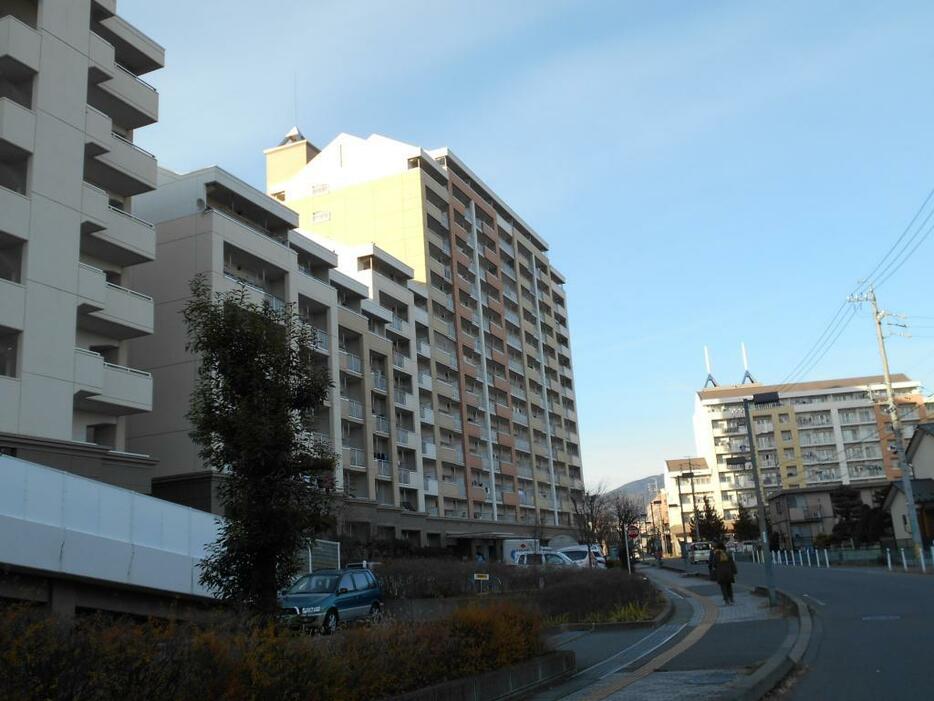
column 700, row 552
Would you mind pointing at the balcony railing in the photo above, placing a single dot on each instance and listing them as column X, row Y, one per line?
column 355, row 457
column 398, row 360
column 383, row 467
column 399, row 324
column 352, row 362
column 401, row 397
column 427, row 414
column 402, row 436
column 379, row 381
column 380, row 424
column 354, row 408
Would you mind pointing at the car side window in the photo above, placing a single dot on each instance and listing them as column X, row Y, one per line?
column 361, row 581
column 346, row 583
column 554, row 559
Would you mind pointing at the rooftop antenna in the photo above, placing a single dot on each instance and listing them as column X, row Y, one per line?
column 710, row 378
column 746, row 375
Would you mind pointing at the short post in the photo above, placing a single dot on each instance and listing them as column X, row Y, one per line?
column 888, row 558
column 932, row 552
column 921, row 554
column 904, row 561
column 826, row 558
column 809, row 556
column 772, row 553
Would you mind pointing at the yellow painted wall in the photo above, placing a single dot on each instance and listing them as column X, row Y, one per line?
column 388, row 212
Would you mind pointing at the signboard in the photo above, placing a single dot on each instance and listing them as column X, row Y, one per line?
column 481, row 577
column 633, row 531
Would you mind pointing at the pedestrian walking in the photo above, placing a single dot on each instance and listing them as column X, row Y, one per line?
column 725, row 569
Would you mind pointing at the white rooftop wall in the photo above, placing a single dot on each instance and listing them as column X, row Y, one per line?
column 58, row 522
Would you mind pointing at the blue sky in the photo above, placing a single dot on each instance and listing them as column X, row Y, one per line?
column 705, row 173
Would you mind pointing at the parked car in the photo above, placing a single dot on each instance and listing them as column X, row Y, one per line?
column 699, row 552
column 544, row 559
column 578, row 554
column 323, row 600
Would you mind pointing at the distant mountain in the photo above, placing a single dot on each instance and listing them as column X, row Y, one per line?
column 638, row 488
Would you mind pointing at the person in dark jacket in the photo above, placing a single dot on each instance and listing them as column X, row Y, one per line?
column 725, row 569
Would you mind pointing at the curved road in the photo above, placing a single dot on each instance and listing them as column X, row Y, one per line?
column 874, row 631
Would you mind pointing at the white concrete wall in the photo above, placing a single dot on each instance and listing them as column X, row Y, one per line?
column 57, row 522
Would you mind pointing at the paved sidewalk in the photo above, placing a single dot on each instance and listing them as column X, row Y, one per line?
column 699, row 655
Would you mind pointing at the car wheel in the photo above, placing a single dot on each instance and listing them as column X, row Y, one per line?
column 329, row 625
column 376, row 612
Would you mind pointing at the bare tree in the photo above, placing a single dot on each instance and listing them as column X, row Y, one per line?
column 626, row 512
column 592, row 516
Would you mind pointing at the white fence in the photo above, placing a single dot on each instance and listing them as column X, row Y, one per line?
column 59, row 522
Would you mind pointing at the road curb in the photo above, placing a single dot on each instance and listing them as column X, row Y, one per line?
column 786, row 659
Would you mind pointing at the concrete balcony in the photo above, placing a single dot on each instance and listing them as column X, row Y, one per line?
column 14, row 213
column 108, row 388
column 114, row 162
column 19, row 43
column 17, row 129
column 134, row 49
column 112, row 234
column 12, row 305
column 117, row 313
column 92, row 288
column 116, row 90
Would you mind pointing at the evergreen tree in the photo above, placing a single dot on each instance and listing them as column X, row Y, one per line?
column 712, row 527
column 849, row 510
column 745, row 527
column 257, row 390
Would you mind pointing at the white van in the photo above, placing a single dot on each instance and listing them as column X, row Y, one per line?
column 700, row 552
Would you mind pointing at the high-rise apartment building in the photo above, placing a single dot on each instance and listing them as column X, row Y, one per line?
column 390, row 421
column 825, row 432
column 492, row 366
column 71, row 98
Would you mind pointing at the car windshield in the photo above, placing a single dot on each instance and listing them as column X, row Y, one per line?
column 315, row 584
column 576, row 554
column 702, row 546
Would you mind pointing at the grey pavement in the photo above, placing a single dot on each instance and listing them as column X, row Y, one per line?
column 874, row 631
column 741, row 638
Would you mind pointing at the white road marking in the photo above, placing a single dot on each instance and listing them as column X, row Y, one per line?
column 672, row 591
column 815, row 600
column 621, row 652
column 652, row 649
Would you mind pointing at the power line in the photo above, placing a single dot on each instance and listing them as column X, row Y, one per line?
column 911, row 253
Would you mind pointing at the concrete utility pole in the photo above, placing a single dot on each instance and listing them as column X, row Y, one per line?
column 878, row 315
column 684, row 530
column 764, row 398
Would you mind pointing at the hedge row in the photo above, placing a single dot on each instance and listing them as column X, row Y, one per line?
column 45, row 658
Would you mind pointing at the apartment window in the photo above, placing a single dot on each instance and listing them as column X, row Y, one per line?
column 11, row 259
column 9, row 351
column 786, row 436
column 14, row 170
column 8, row 450
column 783, row 418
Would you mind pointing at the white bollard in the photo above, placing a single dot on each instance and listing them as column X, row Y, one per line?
column 809, row 557
column 904, row 561
column 923, row 568
column 826, row 558
column 932, row 553
column 888, row 558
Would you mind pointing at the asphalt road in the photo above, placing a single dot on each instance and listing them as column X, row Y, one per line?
column 874, row 632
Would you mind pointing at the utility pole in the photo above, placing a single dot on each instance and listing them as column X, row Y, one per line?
column 684, row 531
column 690, row 474
column 764, row 398
column 892, row 409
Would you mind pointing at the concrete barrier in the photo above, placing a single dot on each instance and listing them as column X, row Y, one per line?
column 507, row 683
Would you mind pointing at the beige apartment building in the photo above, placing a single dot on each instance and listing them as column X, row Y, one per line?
column 365, row 310
column 497, row 414
column 71, row 99
column 820, row 433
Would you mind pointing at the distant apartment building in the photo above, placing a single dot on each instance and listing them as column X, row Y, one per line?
column 491, row 374
column 826, row 432
column 364, row 308
column 71, row 99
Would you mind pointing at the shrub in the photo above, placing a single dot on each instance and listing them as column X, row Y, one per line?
column 42, row 657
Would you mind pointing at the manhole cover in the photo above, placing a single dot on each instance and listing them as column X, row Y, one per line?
column 881, row 618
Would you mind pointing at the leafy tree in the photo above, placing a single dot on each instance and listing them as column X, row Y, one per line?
column 745, row 527
column 711, row 523
column 257, row 389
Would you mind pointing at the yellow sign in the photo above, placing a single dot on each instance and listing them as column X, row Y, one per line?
column 481, row 577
